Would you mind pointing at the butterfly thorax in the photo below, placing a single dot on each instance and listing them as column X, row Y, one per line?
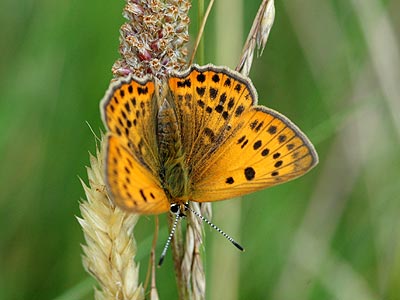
column 173, row 172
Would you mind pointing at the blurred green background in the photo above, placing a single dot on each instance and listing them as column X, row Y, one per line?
column 332, row 66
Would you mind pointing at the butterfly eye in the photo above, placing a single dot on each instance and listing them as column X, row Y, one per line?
column 174, row 208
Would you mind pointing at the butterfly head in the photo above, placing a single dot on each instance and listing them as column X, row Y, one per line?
column 178, row 209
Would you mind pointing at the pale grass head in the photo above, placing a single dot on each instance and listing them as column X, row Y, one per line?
column 110, row 247
column 258, row 35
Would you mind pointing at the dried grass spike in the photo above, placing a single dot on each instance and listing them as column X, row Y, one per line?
column 267, row 21
column 110, row 248
column 258, row 35
column 154, row 38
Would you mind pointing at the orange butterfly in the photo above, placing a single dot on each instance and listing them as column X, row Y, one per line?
column 200, row 136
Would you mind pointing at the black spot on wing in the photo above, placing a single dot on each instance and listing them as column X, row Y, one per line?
column 249, row 173
column 290, row 146
column 219, row 108
column 209, row 133
column 200, row 91
column 201, row 103
column 265, row 152
column 272, row 129
column 239, row 110
column 127, row 107
column 215, row 78
column 231, row 103
column 184, row 83
column 230, row 180
column 143, row 196
column 282, row 138
column 201, row 78
column 257, row 145
column 213, row 93
column 238, row 87
column 142, row 91
column 276, row 155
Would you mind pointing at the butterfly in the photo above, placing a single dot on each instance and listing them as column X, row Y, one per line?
column 199, row 135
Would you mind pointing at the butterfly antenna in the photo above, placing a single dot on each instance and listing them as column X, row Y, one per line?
column 216, row 228
column 177, row 216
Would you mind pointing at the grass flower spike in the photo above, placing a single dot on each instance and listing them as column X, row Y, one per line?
column 154, row 38
column 110, row 247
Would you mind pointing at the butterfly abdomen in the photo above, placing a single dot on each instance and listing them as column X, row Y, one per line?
column 173, row 171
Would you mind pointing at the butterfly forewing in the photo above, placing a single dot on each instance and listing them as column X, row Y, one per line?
column 209, row 102
column 129, row 111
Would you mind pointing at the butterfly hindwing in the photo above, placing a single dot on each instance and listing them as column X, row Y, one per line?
column 130, row 184
column 267, row 150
